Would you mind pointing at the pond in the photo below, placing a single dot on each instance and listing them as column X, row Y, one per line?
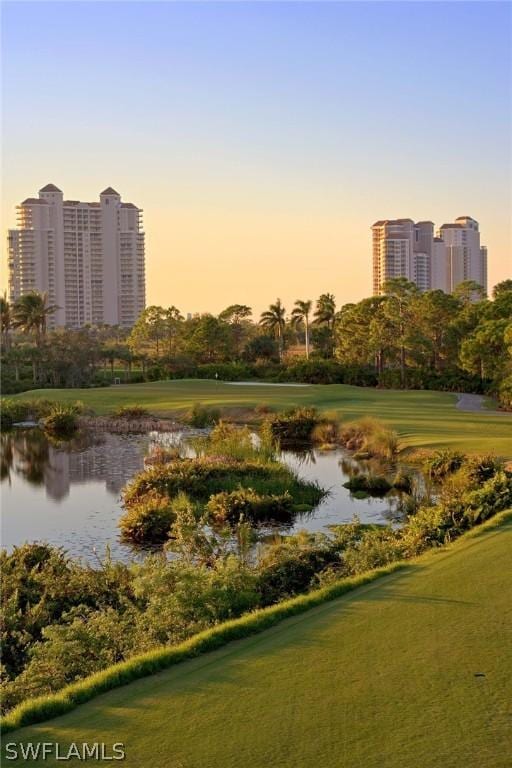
column 69, row 494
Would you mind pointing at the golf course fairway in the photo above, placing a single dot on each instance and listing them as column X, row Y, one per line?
column 423, row 419
column 410, row 671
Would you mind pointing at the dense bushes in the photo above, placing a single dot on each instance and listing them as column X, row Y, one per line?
column 442, row 463
column 148, row 520
column 57, row 417
column 231, row 476
column 64, row 620
column 62, row 420
column 255, row 489
column 202, row 416
column 368, row 485
column 369, row 437
column 13, row 411
column 131, row 412
column 247, row 504
column 296, row 424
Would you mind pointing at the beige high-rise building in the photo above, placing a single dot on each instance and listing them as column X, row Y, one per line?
column 402, row 248
column 466, row 258
column 88, row 257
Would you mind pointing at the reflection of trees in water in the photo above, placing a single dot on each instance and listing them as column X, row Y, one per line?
column 354, row 467
column 6, row 457
column 28, row 453
column 303, row 455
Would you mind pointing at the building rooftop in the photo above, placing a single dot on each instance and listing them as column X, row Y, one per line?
column 50, row 188
column 392, row 221
column 34, row 201
column 451, row 226
column 109, row 191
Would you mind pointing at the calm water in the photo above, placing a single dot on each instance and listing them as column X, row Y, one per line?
column 70, row 494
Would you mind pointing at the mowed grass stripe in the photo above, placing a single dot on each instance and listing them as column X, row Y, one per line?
column 383, row 677
column 423, row 419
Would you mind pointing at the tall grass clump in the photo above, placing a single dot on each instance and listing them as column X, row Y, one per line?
column 370, row 437
column 229, row 441
column 131, row 413
column 62, row 419
column 295, row 425
column 202, row 416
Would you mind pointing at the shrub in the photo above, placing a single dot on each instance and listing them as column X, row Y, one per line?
column 289, row 565
column 443, row 463
column 131, row 412
column 224, row 371
column 62, row 420
column 249, row 505
column 371, row 485
column 296, row 424
column 482, row 468
column 202, row 477
column 384, row 443
column 376, row 548
column 370, row 437
column 13, row 411
column 493, row 496
column 353, row 434
column 313, row 372
column 227, row 440
column 325, row 433
column 201, row 416
column 149, row 520
column 402, row 481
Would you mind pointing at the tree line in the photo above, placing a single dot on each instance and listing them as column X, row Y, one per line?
column 403, row 338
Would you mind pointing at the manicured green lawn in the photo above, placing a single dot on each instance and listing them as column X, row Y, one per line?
column 411, row 671
column 423, row 419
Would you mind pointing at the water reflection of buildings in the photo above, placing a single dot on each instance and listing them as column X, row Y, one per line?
column 113, row 459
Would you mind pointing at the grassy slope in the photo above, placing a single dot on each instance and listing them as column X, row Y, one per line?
column 383, row 677
column 423, row 419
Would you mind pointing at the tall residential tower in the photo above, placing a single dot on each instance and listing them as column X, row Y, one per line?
column 402, row 248
column 88, row 257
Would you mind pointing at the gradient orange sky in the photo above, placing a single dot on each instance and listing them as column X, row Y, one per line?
column 263, row 140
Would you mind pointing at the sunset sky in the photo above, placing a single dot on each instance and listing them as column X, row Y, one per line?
column 263, row 139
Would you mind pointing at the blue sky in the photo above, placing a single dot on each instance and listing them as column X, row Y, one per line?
column 264, row 135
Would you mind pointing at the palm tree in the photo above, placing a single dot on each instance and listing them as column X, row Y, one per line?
column 325, row 311
column 5, row 320
column 274, row 320
column 30, row 313
column 301, row 315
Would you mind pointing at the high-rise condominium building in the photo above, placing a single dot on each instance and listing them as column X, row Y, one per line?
column 88, row 257
column 403, row 248
column 465, row 258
